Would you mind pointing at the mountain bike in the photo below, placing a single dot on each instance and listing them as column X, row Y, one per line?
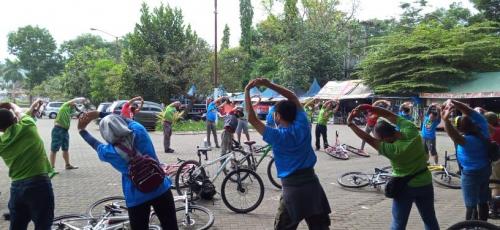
column 474, row 225
column 442, row 175
column 340, row 151
column 243, row 183
column 249, row 159
column 360, row 179
column 189, row 215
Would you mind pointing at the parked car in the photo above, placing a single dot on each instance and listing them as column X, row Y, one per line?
column 103, row 107
column 197, row 112
column 262, row 109
column 147, row 116
column 51, row 109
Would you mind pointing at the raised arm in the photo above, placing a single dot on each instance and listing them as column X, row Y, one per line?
column 337, row 105
column 462, row 107
column 309, row 103
column 359, row 132
column 279, row 89
column 82, row 125
column 379, row 102
column 381, row 112
column 252, row 117
column 449, row 128
column 13, row 107
column 35, row 107
column 258, row 101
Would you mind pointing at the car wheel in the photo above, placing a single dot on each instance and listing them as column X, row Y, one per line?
column 52, row 115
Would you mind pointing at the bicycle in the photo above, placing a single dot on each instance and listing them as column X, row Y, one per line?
column 474, row 224
column 109, row 221
column 253, row 163
column 340, row 151
column 192, row 175
column 188, row 215
column 441, row 173
column 359, row 179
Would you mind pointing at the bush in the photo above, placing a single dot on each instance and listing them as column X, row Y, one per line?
column 189, row 125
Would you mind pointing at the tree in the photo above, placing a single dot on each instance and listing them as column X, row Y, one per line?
column 225, row 38
column 70, row 48
column 161, row 54
column 35, row 49
column 246, row 17
column 489, row 8
column 431, row 57
column 12, row 76
column 233, row 65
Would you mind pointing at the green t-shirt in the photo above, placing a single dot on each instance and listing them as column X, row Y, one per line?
column 169, row 113
column 322, row 118
column 63, row 118
column 407, row 154
column 23, row 151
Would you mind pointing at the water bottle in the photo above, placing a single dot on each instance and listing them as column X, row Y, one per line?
column 205, row 142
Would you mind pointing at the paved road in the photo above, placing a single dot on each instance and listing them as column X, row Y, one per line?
column 352, row 209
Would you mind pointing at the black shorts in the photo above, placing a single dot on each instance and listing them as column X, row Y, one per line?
column 430, row 146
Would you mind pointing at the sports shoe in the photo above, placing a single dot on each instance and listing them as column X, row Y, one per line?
column 169, row 151
column 70, row 167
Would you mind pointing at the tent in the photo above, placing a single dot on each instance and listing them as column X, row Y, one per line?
column 253, row 92
column 192, row 90
column 360, row 91
column 336, row 89
column 313, row 89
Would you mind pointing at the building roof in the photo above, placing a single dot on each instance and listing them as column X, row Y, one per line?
column 337, row 89
column 482, row 85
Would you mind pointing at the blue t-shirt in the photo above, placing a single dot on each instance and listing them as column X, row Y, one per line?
column 211, row 112
column 291, row 145
column 269, row 118
column 473, row 155
column 429, row 128
column 143, row 144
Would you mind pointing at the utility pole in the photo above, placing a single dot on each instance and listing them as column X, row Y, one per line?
column 216, row 71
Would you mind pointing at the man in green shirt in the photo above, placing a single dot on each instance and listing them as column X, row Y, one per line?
column 170, row 115
column 325, row 113
column 405, row 150
column 22, row 149
column 60, row 135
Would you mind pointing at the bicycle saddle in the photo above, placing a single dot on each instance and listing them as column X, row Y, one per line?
column 249, row 143
column 204, row 149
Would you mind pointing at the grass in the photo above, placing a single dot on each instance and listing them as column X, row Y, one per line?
column 189, row 125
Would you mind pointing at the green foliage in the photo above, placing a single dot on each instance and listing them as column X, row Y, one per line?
column 431, row 57
column 190, row 126
column 489, row 8
column 70, row 48
column 246, row 17
column 161, row 55
column 35, row 49
column 233, row 62
column 225, row 38
column 105, row 80
column 52, row 88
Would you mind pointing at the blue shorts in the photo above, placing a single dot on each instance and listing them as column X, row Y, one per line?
column 475, row 186
column 60, row 139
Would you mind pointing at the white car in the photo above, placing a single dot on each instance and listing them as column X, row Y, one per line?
column 52, row 108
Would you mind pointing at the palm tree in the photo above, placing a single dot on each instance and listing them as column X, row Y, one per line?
column 12, row 75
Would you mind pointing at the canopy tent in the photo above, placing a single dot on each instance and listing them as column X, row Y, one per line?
column 336, row 89
column 269, row 93
column 482, row 85
column 219, row 92
column 253, row 92
column 360, row 91
column 313, row 89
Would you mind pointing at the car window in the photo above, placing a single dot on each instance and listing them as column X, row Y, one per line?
column 155, row 109
column 56, row 104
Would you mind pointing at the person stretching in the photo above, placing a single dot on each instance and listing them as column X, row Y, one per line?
column 212, row 111
column 371, row 120
column 243, row 122
column 22, row 149
column 326, row 112
column 302, row 196
column 170, row 115
column 431, row 121
column 60, row 135
column 405, row 150
column 129, row 109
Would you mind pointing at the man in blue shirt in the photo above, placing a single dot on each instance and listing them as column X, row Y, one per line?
column 303, row 196
column 431, row 121
column 270, row 117
column 405, row 111
column 212, row 110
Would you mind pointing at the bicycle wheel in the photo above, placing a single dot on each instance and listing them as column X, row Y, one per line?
column 356, row 151
column 450, row 180
column 97, row 209
column 187, row 175
column 272, row 174
column 197, row 218
column 354, row 180
column 332, row 151
column 474, row 224
column 72, row 221
column 242, row 196
column 243, row 161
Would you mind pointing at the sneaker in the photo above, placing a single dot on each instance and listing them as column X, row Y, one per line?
column 217, row 146
column 70, row 167
column 169, row 151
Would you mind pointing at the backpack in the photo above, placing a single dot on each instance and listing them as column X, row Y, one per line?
column 144, row 171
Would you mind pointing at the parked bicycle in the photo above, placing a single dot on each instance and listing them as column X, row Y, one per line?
column 474, row 225
column 360, row 179
column 442, row 175
column 242, row 189
column 189, row 215
column 249, row 160
column 340, row 151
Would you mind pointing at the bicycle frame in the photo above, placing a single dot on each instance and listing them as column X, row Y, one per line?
column 264, row 150
column 227, row 158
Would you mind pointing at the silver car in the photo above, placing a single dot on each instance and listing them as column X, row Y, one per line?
column 147, row 116
column 52, row 108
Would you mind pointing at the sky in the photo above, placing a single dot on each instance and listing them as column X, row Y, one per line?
column 66, row 19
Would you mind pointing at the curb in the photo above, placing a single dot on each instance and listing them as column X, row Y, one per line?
column 189, row 132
